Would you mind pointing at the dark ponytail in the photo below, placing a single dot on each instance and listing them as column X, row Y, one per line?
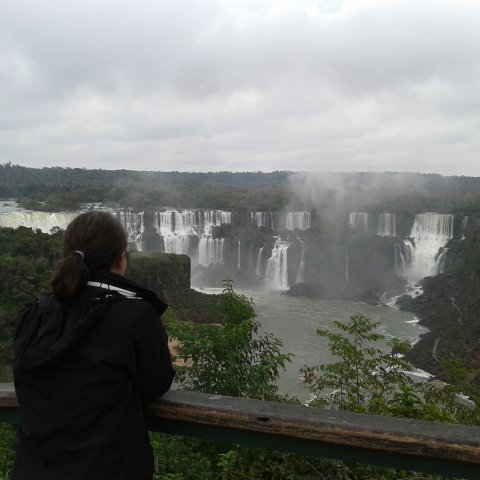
column 93, row 241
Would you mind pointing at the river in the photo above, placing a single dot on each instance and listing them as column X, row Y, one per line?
column 295, row 320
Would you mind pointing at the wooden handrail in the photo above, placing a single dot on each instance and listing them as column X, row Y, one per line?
column 431, row 447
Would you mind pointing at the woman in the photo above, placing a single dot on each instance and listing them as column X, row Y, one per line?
column 87, row 360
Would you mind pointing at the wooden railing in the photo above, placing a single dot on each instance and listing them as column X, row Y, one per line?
column 450, row 450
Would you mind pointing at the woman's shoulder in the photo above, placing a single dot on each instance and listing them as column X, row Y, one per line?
column 108, row 283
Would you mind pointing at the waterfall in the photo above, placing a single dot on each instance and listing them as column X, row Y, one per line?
column 181, row 230
column 133, row 224
column 47, row 221
column 298, row 220
column 173, row 227
column 387, row 225
column 276, row 273
column 400, row 263
column 179, row 245
column 210, row 250
column 358, row 221
column 259, row 270
column 263, row 219
column 213, row 218
column 441, row 260
column 430, row 232
column 44, row 221
column 301, row 266
column 239, row 256
column 464, row 226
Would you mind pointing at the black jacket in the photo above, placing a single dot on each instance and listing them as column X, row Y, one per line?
column 83, row 373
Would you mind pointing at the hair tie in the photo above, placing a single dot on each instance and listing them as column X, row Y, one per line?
column 80, row 254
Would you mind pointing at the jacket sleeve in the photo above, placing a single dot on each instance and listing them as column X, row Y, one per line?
column 154, row 370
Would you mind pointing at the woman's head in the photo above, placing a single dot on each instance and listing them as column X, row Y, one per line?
column 93, row 241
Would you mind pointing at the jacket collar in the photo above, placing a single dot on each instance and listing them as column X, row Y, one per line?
column 111, row 281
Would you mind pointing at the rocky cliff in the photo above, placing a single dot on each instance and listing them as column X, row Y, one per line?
column 169, row 276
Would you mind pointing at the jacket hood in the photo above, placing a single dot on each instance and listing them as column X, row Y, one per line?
column 46, row 331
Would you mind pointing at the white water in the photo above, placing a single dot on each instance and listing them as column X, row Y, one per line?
column 430, row 232
column 175, row 230
column 181, row 230
column 239, row 255
column 263, row 219
column 387, row 225
column 295, row 321
column 13, row 216
column 298, row 220
column 301, row 266
column 464, row 226
column 440, row 263
column 358, row 221
column 210, row 250
column 133, row 223
column 44, row 221
column 259, row 268
column 276, row 273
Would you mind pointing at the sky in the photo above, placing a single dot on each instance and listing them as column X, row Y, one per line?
column 215, row 85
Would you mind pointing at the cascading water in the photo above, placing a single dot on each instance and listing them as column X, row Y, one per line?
column 400, row 262
column 170, row 226
column 387, row 225
column 441, row 260
column 46, row 221
column 430, row 233
column 259, row 271
column 276, row 273
column 43, row 221
column 301, row 266
column 464, row 226
column 263, row 219
column 182, row 230
column 133, row 223
column 239, row 256
column 298, row 220
column 211, row 250
column 358, row 221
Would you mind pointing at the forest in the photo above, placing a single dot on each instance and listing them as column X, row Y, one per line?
column 56, row 188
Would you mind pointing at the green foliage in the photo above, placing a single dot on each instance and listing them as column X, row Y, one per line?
column 24, row 254
column 57, row 188
column 350, row 381
column 231, row 357
column 7, row 450
column 368, row 380
column 180, row 458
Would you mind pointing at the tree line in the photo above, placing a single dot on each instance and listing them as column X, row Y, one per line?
column 56, row 188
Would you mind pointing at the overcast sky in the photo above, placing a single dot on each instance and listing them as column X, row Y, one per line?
column 207, row 85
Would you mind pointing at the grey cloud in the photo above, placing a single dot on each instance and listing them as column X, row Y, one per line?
column 238, row 85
